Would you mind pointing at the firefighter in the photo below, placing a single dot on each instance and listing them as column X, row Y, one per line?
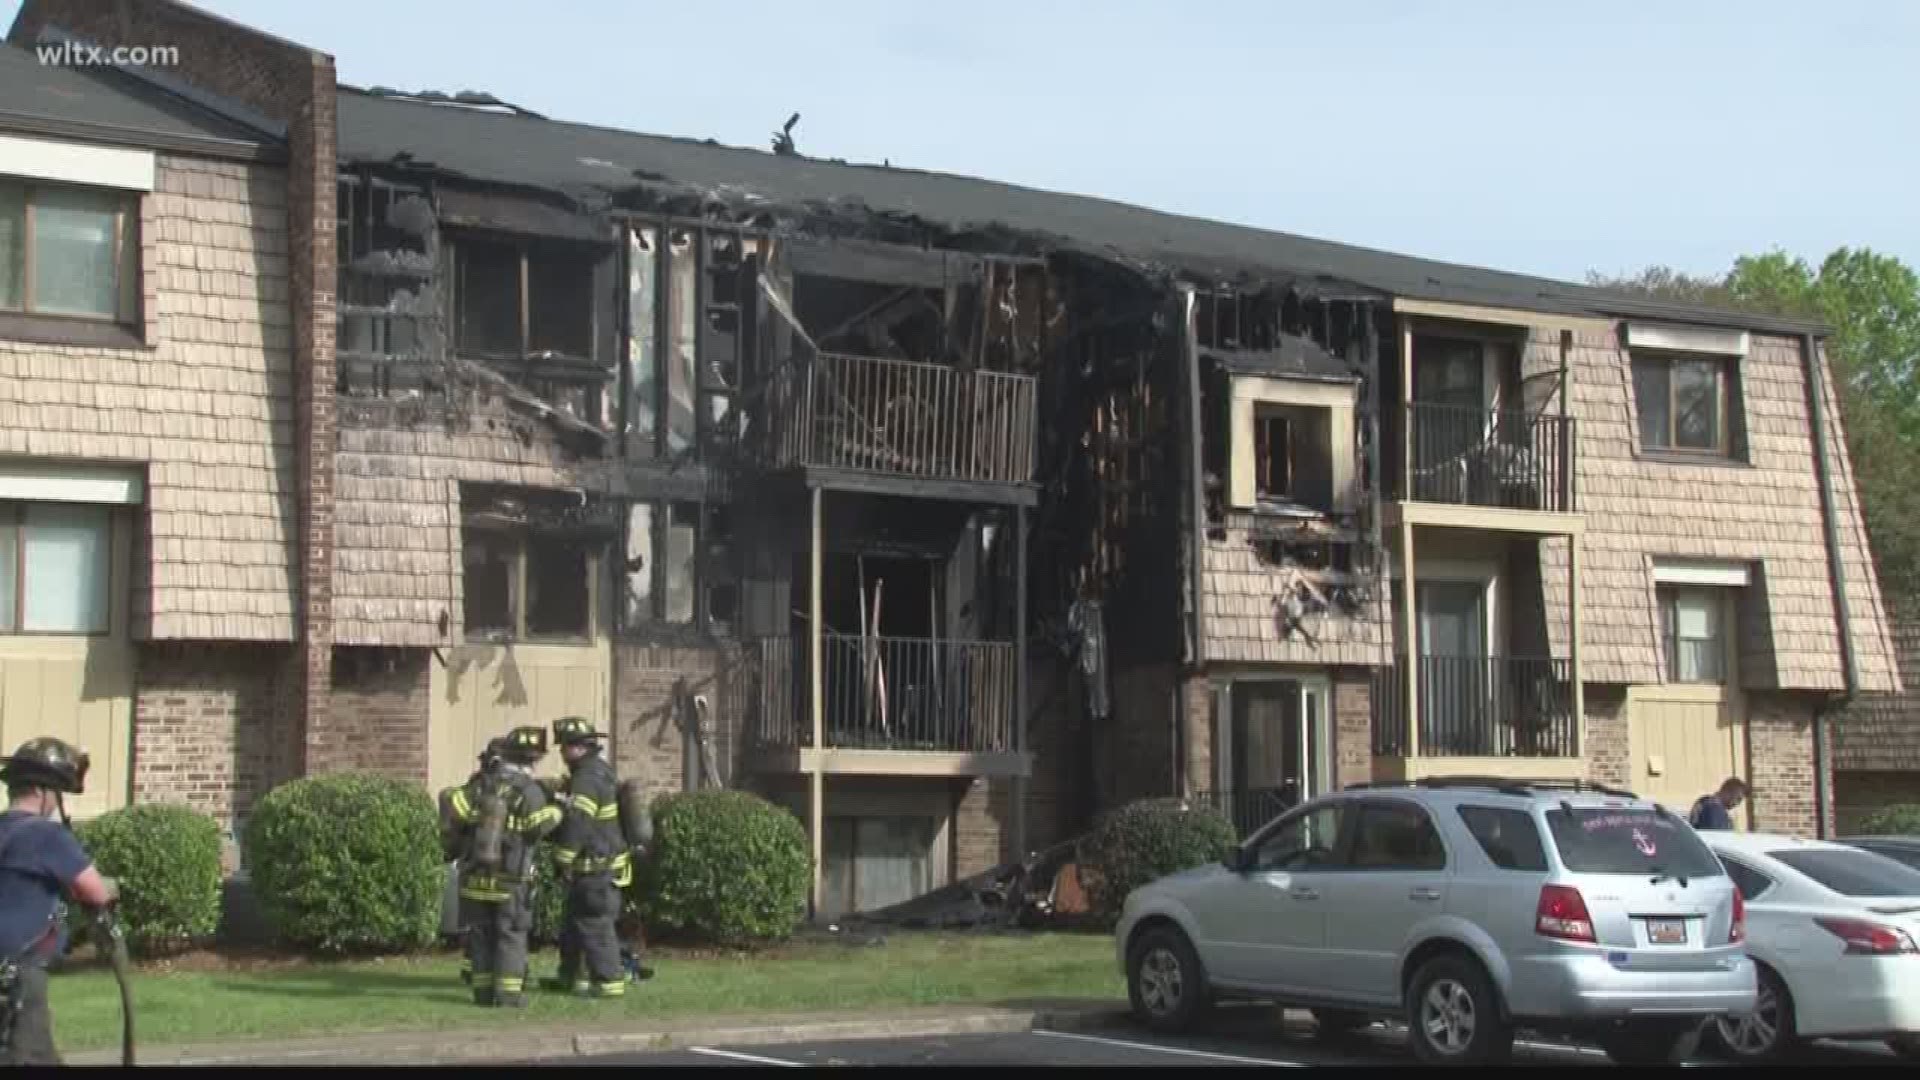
column 39, row 860
column 593, row 859
column 489, row 759
column 506, row 813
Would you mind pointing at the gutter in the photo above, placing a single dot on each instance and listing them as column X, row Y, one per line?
column 1836, row 572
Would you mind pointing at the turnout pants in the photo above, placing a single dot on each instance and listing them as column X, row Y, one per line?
column 30, row 1040
column 589, row 948
column 497, row 942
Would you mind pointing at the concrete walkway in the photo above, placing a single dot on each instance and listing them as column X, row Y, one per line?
column 547, row 1042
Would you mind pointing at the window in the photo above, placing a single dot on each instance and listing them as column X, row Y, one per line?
column 1851, row 872
column 1509, row 837
column 670, row 579
column 1685, row 403
column 1308, row 841
column 513, row 298
column 1629, row 841
column 68, row 251
column 1396, row 836
column 876, row 862
column 1752, row 883
column 1693, row 626
column 527, row 585
column 55, row 568
column 1293, row 455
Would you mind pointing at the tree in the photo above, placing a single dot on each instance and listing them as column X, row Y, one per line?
column 1872, row 302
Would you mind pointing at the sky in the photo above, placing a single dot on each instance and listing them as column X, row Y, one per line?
column 1549, row 138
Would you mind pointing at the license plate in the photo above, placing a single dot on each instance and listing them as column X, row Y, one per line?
column 1667, row 931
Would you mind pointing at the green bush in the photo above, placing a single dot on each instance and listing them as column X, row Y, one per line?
column 167, row 861
column 348, row 862
column 726, row 866
column 1149, row 839
column 1900, row 819
column 549, row 900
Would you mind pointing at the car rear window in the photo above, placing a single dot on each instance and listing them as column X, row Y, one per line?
column 1851, row 872
column 1628, row 840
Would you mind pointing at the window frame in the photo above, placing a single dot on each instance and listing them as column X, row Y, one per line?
column 13, row 520
column 705, row 574
column 1346, row 811
column 128, row 268
column 520, row 539
column 1667, row 597
column 1539, row 847
column 1386, row 807
column 1727, row 446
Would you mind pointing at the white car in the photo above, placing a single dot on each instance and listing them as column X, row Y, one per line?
column 1835, row 931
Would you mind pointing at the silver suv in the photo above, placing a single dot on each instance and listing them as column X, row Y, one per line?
column 1466, row 906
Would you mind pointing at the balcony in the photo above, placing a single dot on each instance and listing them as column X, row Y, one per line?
column 1478, row 707
column 1498, row 459
column 892, row 706
column 904, row 419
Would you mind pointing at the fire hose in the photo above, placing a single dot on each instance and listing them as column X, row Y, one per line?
column 111, row 940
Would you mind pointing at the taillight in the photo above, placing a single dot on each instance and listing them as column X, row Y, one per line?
column 1868, row 939
column 1738, row 933
column 1563, row 914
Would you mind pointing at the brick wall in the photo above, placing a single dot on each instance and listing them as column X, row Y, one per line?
column 1198, row 693
column 210, row 726
column 1134, row 752
column 1766, row 510
column 1859, row 793
column 207, row 408
column 379, row 711
column 648, row 740
column 1608, row 753
column 1780, row 744
column 981, row 826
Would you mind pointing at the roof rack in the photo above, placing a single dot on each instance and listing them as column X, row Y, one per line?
column 1506, row 785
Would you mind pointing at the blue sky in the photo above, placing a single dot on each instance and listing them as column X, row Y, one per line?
column 1548, row 138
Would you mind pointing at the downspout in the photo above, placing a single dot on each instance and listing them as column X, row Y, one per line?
column 1197, row 529
column 1849, row 663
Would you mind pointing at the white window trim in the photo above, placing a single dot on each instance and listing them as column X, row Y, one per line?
column 77, row 163
column 1252, row 390
column 1724, row 573
column 1707, row 340
column 40, row 481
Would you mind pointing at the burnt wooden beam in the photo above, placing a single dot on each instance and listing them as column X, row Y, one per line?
column 913, row 487
column 892, row 264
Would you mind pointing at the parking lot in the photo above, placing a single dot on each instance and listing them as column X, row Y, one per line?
column 1250, row 1039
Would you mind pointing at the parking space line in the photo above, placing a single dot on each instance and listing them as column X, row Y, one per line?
column 1210, row 1055
column 737, row 1056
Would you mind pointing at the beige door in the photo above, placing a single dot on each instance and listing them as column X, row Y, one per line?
column 1685, row 739
column 485, row 690
column 79, row 689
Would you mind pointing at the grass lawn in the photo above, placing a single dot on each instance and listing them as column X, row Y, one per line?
column 178, row 1004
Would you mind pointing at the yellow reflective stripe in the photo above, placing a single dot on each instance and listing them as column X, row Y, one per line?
column 543, row 816
column 610, row 989
column 623, row 877
column 609, row 813
column 511, row 985
column 462, row 807
column 587, row 806
column 621, row 862
column 565, row 855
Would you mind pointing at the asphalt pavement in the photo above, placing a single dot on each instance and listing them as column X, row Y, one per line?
column 1235, row 1041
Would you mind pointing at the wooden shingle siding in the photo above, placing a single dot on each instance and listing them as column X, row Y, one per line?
column 207, row 406
column 1243, row 622
column 1881, row 732
column 1766, row 511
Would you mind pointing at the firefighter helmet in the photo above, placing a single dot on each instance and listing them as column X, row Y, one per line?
column 525, row 744
column 48, row 763
column 572, row 729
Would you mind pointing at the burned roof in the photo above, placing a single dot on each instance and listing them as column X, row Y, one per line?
column 1295, row 358
column 110, row 106
column 593, row 164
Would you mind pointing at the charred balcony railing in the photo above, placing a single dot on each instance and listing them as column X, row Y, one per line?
column 889, row 693
column 1479, row 706
column 904, row 418
column 1488, row 457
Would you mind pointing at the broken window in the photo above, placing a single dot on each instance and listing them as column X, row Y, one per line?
column 721, row 589
column 684, row 326
column 682, row 528
column 386, row 312
column 640, row 566
column 643, row 343
column 491, row 569
column 662, row 571
column 1293, row 455
column 559, row 593
column 560, row 304
column 487, row 284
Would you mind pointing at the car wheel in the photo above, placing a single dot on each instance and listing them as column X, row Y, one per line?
column 1906, row 1046
column 1648, row 1043
column 1764, row 1035
column 1454, row 1015
column 1164, row 981
column 1331, row 1022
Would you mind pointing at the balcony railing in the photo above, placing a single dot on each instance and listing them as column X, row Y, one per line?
column 888, row 693
column 904, row 418
column 1488, row 457
column 1470, row 706
column 1250, row 808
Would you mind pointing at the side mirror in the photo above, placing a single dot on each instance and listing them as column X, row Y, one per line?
column 1237, row 860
